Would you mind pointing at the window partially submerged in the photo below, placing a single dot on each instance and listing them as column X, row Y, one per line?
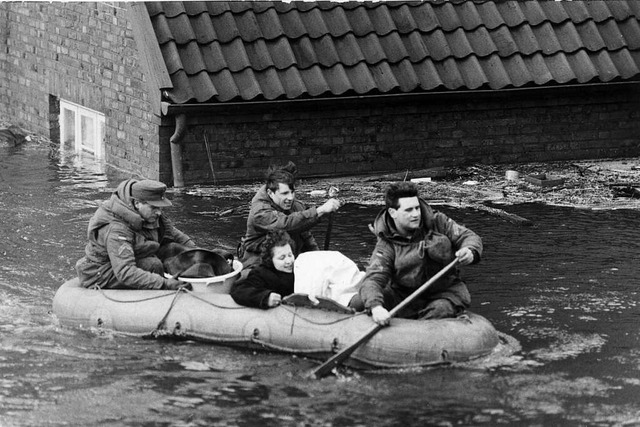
column 81, row 129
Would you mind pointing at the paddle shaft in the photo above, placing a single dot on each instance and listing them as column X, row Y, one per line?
column 327, row 237
column 333, row 191
column 341, row 356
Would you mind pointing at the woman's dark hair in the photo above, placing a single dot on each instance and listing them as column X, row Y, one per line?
column 275, row 238
column 398, row 191
column 282, row 175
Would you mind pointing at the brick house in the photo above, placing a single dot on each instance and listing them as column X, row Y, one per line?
column 213, row 92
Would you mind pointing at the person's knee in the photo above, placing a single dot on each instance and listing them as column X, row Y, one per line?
column 439, row 309
column 151, row 264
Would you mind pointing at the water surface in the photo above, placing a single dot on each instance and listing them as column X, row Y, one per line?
column 565, row 289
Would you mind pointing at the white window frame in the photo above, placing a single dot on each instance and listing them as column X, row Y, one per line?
column 97, row 136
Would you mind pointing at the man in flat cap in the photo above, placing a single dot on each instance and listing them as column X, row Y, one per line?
column 125, row 236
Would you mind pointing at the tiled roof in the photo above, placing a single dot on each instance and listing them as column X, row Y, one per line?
column 254, row 51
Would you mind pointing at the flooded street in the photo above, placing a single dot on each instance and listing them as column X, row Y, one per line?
column 566, row 289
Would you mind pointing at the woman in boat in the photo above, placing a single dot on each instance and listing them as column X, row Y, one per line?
column 270, row 281
column 326, row 279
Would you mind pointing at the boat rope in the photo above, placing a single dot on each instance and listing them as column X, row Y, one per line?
column 194, row 295
column 293, row 310
column 315, row 322
column 131, row 301
column 160, row 330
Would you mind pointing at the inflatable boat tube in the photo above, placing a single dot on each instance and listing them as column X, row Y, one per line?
column 215, row 318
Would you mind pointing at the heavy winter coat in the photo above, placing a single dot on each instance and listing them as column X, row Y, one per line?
column 399, row 265
column 117, row 237
column 254, row 290
column 266, row 216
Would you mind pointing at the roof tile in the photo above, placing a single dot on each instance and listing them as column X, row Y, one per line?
column 582, row 66
column 469, row 16
column 372, row 49
column 181, row 29
column 518, row 72
column 511, row 13
column 497, row 76
column 481, row 42
column 226, row 28
column 630, row 30
column 538, row 69
column 222, row 51
column 612, row 36
column 248, row 26
column 604, row 66
column 292, row 83
column 337, row 22
column 425, row 18
column 460, row 47
column 560, row 68
column 213, row 57
column 364, row 79
column 359, row 21
column 203, row 29
column 403, row 19
column 621, row 10
column 547, row 39
column 590, row 36
column 270, row 83
column 626, row 65
column 191, row 58
column 292, row 25
column 281, row 53
column 271, row 24
column 447, row 16
column 349, row 50
column 428, row 75
column 568, row 37
column 577, row 11
column 406, row 74
column 235, row 55
column 314, row 23
column 393, row 47
column 259, row 55
column 555, row 11
column 490, row 15
column 304, row 52
column 314, row 81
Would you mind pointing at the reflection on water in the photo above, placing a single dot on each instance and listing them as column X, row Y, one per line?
column 565, row 290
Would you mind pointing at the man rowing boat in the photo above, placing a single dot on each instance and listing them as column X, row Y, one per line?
column 414, row 243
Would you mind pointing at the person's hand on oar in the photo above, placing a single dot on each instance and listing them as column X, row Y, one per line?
column 380, row 315
column 465, row 256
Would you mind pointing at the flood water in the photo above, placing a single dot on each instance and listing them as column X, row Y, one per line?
column 565, row 289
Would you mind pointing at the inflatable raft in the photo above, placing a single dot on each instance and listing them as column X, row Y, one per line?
column 210, row 315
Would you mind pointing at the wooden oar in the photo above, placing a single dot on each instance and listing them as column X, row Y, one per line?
column 340, row 357
column 333, row 192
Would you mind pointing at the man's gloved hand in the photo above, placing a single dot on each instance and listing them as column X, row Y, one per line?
column 175, row 284
column 438, row 309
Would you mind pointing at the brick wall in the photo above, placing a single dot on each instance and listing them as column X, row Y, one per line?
column 410, row 133
column 84, row 53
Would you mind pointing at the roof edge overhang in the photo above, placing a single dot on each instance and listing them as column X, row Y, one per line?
column 169, row 109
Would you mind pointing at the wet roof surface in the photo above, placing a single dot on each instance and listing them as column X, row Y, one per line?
column 255, row 51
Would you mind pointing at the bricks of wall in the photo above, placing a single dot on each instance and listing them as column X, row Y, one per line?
column 413, row 134
column 84, row 53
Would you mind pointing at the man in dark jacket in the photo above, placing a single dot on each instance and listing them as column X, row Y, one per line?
column 414, row 243
column 274, row 208
column 124, row 237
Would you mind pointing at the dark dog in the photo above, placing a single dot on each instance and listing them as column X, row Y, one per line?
column 198, row 263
